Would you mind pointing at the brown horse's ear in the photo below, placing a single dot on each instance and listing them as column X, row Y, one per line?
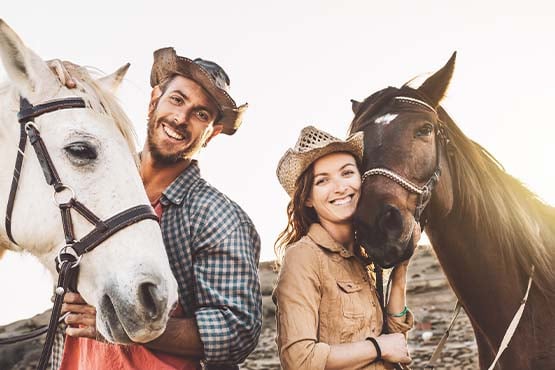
column 355, row 106
column 436, row 85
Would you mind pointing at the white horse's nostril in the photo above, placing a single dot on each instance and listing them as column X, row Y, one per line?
column 153, row 300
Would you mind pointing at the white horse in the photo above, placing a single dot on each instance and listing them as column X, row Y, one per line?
column 127, row 278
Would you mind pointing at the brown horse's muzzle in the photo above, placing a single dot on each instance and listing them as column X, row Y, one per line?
column 386, row 233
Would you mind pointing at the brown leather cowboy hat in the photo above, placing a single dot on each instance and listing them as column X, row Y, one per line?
column 207, row 74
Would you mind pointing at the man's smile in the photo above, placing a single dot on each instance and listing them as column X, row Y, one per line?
column 172, row 133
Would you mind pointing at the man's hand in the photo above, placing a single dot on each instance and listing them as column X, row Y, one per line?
column 82, row 317
column 60, row 69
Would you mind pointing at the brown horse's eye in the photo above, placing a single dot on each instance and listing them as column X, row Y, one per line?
column 425, row 130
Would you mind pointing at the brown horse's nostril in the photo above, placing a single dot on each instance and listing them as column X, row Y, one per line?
column 390, row 222
column 152, row 299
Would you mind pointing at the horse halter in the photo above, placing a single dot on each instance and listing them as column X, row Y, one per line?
column 424, row 192
column 69, row 256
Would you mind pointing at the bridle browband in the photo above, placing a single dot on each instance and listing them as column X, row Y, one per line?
column 424, row 192
column 69, row 256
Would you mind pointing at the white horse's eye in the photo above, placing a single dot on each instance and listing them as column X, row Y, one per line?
column 81, row 153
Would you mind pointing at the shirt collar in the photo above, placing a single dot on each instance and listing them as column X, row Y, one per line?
column 179, row 187
column 320, row 236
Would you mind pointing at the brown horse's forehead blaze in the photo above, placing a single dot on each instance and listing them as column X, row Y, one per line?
column 390, row 135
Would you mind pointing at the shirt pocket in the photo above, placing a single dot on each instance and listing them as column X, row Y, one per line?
column 351, row 298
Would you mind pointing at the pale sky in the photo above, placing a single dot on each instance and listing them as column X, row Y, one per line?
column 298, row 63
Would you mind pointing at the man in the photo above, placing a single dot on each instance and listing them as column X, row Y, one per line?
column 213, row 247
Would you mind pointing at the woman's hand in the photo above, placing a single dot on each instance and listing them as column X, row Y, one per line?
column 82, row 317
column 394, row 348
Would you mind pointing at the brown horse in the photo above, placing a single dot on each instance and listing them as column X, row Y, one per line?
column 487, row 229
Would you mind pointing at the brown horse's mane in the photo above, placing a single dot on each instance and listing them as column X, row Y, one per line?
column 494, row 202
column 509, row 216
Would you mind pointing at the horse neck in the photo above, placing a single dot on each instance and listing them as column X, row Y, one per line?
column 482, row 256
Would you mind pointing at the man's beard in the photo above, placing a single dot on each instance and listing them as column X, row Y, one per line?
column 171, row 158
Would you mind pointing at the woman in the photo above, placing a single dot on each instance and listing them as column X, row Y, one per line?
column 328, row 313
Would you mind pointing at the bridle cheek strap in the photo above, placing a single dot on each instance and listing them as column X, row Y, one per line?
column 27, row 114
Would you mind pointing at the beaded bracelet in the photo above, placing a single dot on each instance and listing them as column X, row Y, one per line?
column 377, row 346
column 400, row 314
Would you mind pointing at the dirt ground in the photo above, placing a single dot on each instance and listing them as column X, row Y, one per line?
column 429, row 297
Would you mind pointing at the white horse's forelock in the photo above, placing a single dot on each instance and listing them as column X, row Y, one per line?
column 104, row 102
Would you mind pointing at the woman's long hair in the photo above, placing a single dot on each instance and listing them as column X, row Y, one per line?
column 299, row 216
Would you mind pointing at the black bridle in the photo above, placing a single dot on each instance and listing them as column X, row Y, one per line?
column 69, row 256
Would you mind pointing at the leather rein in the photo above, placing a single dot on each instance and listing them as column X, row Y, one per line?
column 424, row 194
column 69, row 256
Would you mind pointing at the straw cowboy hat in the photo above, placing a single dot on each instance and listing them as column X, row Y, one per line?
column 207, row 74
column 311, row 145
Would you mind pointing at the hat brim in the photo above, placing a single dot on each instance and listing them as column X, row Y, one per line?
column 167, row 63
column 293, row 163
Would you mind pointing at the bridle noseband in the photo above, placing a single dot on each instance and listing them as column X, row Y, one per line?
column 69, row 256
column 424, row 192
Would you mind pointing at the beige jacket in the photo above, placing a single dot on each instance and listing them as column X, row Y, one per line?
column 325, row 295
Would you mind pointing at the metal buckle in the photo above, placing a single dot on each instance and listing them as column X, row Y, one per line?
column 68, row 249
column 63, row 188
column 30, row 125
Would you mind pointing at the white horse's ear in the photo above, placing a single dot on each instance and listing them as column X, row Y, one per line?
column 111, row 82
column 28, row 72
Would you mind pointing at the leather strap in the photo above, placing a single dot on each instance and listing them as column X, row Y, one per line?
column 28, row 112
column 85, row 212
column 506, row 338
column 111, row 226
column 15, row 181
column 435, row 356
column 48, row 168
column 65, row 276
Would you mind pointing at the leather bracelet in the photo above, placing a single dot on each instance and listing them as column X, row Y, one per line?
column 377, row 346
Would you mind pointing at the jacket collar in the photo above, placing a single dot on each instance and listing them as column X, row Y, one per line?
column 320, row 236
column 175, row 193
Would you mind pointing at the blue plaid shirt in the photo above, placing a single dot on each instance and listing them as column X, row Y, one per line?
column 213, row 250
